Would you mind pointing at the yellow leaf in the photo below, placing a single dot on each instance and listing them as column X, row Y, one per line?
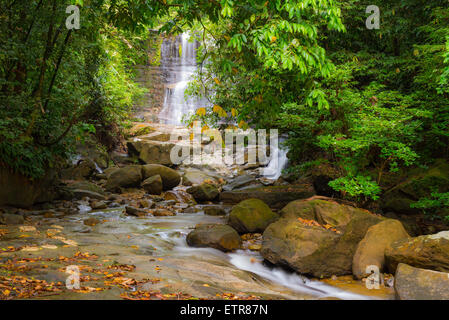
column 273, row 39
column 6, row 292
column 217, row 81
column 204, row 128
column 234, row 112
column 201, row 111
column 243, row 125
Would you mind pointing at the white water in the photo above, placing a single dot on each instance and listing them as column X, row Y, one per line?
column 277, row 163
column 178, row 62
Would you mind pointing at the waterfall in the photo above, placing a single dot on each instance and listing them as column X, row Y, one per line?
column 178, row 62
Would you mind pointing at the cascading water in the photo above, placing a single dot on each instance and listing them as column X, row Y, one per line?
column 178, row 63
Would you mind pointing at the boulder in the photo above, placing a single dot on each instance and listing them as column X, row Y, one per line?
column 98, row 205
column 163, row 213
column 204, row 192
column 218, row 236
column 170, row 178
column 420, row 284
column 11, row 219
column 427, row 252
column 19, row 191
column 274, row 196
column 80, row 194
column 88, row 186
column 371, row 250
column 214, row 211
column 194, row 177
column 152, row 152
column 131, row 211
column 317, row 238
column 240, row 182
column 153, row 185
column 251, row 216
column 126, row 177
column 84, row 169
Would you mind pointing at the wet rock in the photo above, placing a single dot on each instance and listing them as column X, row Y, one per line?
column 92, row 222
column 319, row 250
column 251, row 215
column 420, row 284
column 195, row 177
column 428, row 252
column 218, row 236
column 214, row 211
column 147, row 204
column 85, row 185
column 152, row 152
column 80, row 194
column 11, row 219
column 135, row 212
column 153, row 185
column 170, row 178
column 163, row 213
column 84, row 169
column 204, row 192
column 126, row 177
column 19, row 191
column 98, row 205
column 239, row 182
column 275, row 197
column 371, row 250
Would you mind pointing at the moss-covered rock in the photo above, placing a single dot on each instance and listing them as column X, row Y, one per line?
column 129, row 176
column 251, row 215
column 204, row 192
column 170, row 178
column 428, row 252
column 153, row 185
column 218, row 236
column 319, row 251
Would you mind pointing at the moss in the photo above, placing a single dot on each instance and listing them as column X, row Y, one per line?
column 251, row 215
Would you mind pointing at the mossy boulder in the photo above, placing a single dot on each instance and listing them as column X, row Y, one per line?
column 170, row 178
column 126, row 177
column 153, row 185
column 428, row 252
column 204, row 192
column 274, row 196
column 251, row 216
column 317, row 237
column 218, row 236
column 194, row 177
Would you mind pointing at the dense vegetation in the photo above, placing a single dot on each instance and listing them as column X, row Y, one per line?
column 368, row 102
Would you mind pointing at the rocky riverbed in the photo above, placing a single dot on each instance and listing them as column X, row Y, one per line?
column 142, row 228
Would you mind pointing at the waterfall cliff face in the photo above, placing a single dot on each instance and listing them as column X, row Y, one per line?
column 178, row 63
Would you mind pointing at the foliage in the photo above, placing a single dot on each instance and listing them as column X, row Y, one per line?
column 437, row 202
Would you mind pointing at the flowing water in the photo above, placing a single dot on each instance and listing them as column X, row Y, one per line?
column 167, row 234
column 178, row 63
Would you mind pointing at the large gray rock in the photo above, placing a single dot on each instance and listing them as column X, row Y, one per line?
column 275, row 197
column 152, row 152
column 194, row 177
column 251, row 216
column 218, row 236
column 126, row 177
column 420, row 284
column 170, row 178
column 322, row 248
column 427, row 252
column 371, row 250
column 240, row 182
